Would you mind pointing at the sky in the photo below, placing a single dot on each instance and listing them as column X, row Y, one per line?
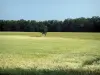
column 48, row 9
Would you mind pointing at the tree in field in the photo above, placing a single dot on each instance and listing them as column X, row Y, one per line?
column 44, row 30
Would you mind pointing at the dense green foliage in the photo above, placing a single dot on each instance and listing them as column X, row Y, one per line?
column 26, row 53
column 68, row 25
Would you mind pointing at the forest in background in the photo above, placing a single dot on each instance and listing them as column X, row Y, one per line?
column 68, row 25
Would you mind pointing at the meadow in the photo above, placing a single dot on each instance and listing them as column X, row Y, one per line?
column 58, row 53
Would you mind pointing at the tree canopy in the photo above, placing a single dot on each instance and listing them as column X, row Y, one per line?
column 68, row 25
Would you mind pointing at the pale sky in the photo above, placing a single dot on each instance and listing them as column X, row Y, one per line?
column 48, row 9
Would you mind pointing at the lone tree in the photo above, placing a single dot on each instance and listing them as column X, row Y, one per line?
column 44, row 30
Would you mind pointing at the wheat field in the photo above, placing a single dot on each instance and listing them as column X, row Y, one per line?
column 29, row 53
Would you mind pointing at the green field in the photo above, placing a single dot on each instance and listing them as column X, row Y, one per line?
column 28, row 53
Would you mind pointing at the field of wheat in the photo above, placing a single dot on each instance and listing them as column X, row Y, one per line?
column 28, row 53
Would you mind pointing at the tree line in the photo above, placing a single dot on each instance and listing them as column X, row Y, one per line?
column 68, row 25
